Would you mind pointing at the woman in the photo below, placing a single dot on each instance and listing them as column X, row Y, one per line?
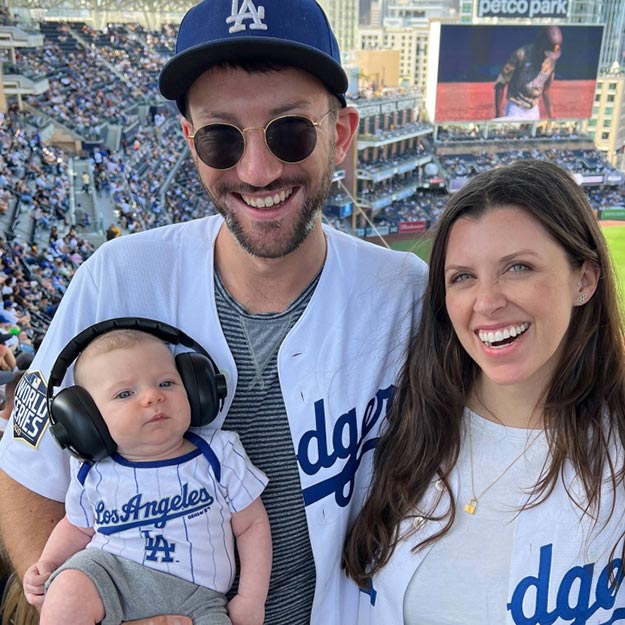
column 498, row 493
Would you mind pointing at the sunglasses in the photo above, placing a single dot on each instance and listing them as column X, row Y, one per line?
column 290, row 138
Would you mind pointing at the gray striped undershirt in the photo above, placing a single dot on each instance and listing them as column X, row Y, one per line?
column 258, row 415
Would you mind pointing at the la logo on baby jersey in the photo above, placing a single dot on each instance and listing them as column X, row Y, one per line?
column 319, row 450
column 586, row 594
column 157, row 548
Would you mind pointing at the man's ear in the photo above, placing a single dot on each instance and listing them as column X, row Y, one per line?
column 187, row 129
column 346, row 127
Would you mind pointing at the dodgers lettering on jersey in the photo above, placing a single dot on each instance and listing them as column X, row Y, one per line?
column 30, row 413
column 317, row 451
column 582, row 591
column 136, row 512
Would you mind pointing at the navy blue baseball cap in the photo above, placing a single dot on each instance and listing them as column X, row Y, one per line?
column 290, row 32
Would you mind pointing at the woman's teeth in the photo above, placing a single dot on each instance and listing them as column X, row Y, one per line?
column 491, row 338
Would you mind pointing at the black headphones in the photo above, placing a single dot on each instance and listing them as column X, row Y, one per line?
column 76, row 422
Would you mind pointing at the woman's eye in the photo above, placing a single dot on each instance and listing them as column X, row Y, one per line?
column 460, row 277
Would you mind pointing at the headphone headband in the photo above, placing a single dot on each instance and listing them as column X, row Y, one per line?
column 76, row 422
column 161, row 330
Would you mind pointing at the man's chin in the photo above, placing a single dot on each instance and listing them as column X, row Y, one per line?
column 271, row 239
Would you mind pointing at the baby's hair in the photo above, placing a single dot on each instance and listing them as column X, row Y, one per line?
column 115, row 339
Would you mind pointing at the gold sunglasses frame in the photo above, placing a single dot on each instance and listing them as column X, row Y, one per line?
column 242, row 131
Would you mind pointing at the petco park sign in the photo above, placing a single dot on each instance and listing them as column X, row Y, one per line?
column 522, row 8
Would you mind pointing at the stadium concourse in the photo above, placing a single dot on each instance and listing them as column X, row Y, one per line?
column 106, row 155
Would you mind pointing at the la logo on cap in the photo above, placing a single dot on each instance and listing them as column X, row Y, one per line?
column 247, row 12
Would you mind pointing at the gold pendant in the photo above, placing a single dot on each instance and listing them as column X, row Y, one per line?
column 471, row 506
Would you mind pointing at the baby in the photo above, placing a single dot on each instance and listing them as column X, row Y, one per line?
column 151, row 528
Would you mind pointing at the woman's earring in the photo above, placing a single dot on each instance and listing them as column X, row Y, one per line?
column 582, row 297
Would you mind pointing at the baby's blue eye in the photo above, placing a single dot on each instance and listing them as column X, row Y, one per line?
column 123, row 395
column 166, row 384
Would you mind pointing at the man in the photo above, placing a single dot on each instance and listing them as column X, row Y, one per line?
column 527, row 77
column 309, row 325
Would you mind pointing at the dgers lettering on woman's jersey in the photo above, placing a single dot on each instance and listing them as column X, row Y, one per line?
column 584, row 591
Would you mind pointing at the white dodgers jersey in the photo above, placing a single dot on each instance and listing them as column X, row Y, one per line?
column 170, row 515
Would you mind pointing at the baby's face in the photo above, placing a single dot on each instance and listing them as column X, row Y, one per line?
column 141, row 397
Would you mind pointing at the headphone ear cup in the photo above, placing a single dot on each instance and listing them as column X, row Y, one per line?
column 203, row 384
column 78, row 426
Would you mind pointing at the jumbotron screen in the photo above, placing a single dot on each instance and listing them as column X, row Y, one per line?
column 512, row 72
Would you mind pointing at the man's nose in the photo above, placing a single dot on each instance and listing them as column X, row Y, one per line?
column 258, row 166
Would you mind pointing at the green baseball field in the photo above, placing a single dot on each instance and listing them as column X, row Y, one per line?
column 614, row 232
column 615, row 236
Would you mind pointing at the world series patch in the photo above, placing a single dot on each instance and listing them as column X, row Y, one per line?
column 30, row 414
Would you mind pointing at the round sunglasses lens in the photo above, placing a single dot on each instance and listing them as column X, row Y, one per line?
column 292, row 138
column 219, row 145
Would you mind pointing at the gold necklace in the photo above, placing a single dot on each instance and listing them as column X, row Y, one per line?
column 471, row 506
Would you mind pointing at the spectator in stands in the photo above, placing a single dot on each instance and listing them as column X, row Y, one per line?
column 7, row 315
column 519, row 466
column 5, row 197
column 7, row 357
column 527, row 77
column 25, row 347
column 60, row 213
column 84, row 221
column 112, row 232
column 312, row 352
column 9, row 381
column 54, row 234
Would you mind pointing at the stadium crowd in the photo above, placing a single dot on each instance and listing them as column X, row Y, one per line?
column 34, row 273
column 148, row 185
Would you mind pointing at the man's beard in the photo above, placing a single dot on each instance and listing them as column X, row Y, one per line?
column 270, row 241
